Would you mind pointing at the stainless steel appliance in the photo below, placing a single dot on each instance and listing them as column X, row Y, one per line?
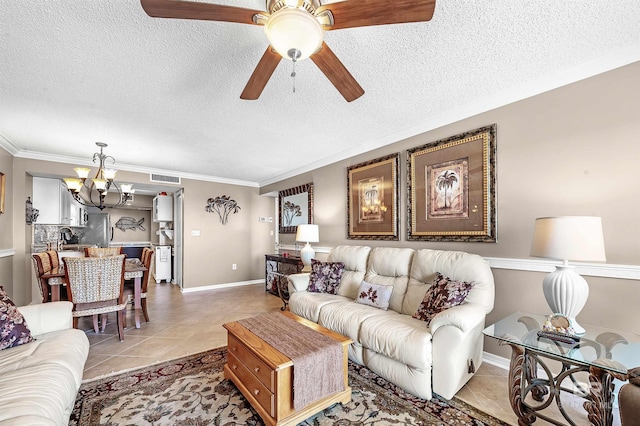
column 98, row 230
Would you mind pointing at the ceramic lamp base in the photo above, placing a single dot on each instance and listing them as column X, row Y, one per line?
column 566, row 293
column 306, row 254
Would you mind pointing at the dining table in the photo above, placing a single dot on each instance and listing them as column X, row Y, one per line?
column 133, row 269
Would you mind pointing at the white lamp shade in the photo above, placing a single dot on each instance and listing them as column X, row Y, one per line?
column 569, row 238
column 307, row 234
column 292, row 28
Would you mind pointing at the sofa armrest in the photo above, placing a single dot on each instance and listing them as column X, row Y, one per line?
column 465, row 317
column 298, row 282
column 46, row 317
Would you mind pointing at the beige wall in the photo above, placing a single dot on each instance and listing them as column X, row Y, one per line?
column 572, row 151
column 6, row 223
column 207, row 259
column 243, row 240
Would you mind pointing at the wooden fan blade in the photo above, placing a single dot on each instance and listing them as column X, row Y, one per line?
column 363, row 13
column 261, row 75
column 194, row 10
column 337, row 73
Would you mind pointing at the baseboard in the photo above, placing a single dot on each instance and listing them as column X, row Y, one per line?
column 219, row 286
column 495, row 360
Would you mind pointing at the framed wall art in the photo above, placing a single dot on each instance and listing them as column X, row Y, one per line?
column 452, row 188
column 295, row 207
column 372, row 199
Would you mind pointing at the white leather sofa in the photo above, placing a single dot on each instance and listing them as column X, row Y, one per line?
column 39, row 380
column 418, row 358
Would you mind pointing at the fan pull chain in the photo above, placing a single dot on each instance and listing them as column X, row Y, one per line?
column 294, row 54
column 293, row 76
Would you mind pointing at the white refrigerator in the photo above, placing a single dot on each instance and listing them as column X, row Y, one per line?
column 163, row 263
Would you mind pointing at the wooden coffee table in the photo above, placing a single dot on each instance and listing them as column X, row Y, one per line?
column 265, row 376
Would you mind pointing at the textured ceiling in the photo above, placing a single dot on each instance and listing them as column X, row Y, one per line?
column 165, row 93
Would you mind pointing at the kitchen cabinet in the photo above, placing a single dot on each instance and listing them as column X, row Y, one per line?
column 55, row 203
column 163, row 208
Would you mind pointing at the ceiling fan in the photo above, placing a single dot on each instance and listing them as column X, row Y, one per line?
column 295, row 30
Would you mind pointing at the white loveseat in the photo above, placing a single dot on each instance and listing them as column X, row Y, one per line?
column 420, row 359
column 39, row 380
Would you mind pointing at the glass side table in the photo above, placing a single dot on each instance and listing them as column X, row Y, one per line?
column 604, row 354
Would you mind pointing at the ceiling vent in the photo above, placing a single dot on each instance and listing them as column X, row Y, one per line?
column 164, row 179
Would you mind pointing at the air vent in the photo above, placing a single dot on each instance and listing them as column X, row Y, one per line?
column 164, row 178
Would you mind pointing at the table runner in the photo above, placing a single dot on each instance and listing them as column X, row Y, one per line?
column 317, row 359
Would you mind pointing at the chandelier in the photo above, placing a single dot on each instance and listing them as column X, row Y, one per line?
column 100, row 184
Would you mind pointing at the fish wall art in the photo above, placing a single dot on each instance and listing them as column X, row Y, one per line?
column 126, row 222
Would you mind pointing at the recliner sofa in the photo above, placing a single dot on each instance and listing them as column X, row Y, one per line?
column 419, row 358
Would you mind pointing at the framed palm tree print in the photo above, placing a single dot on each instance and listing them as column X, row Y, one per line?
column 452, row 188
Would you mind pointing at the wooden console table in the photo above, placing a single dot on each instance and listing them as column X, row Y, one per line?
column 277, row 269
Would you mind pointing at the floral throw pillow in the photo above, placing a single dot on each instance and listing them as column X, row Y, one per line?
column 325, row 277
column 374, row 295
column 443, row 294
column 13, row 327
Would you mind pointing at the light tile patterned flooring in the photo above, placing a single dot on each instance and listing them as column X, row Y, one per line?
column 182, row 324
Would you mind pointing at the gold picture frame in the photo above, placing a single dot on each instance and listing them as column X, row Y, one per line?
column 452, row 188
column 295, row 207
column 372, row 199
column 2, row 192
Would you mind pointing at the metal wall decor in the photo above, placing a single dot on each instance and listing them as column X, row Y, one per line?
column 31, row 214
column 223, row 205
column 452, row 188
column 130, row 223
column 295, row 207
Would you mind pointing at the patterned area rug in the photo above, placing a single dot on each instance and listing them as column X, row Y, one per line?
column 193, row 391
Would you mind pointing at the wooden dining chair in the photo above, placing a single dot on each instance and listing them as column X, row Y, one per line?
column 102, row 251
column 96, row 287
column 42, row 266
column 146, row 258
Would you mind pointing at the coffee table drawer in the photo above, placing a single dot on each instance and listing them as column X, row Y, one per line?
column 258, row 391
column 253, row 363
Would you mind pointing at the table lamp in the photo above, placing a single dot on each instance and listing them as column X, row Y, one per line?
column 308, row 234
column 577, row 238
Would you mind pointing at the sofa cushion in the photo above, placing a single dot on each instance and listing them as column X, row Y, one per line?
column 38, row 391
column 308, row 305
column 355, row 265
column 325, row 277
column 345, row 317
column 374, row 295
column 398, row 337
column 390, row 266
column 457, row 265
column 445, row 293
column 13, row 327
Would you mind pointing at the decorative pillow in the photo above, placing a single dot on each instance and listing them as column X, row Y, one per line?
column 325, row 277
column 443, row 294
column 374, row 295
column 13, row 327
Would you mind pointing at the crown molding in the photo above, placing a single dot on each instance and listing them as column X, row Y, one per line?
column 33, row 155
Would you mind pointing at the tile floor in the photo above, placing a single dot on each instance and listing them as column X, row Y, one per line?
column 182, row 324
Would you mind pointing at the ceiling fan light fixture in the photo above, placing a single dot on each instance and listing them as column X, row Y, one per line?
column 293, row 28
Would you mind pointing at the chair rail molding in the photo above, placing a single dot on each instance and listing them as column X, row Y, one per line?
column 7, row 252
column 628, row 272
column 607, row 270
